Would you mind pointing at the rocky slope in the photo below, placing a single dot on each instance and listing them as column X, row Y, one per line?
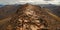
column 30, row 17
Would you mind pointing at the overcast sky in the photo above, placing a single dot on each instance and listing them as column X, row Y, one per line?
column 56, row 2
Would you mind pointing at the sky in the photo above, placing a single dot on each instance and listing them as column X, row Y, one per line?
column 10, row 2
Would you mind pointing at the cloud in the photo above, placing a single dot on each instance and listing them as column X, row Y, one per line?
column 55, row 2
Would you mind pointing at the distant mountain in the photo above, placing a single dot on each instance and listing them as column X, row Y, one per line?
column 2, row 5
column 7, row 10
column 54, row 9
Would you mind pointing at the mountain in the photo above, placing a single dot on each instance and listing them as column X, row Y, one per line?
column 31, row 17
column 1, row 5
column 53, row 8
column 7, row 10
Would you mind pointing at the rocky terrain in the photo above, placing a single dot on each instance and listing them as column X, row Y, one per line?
column 11, row 9
column 28, row 17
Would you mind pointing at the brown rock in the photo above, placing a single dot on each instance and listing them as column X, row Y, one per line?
column 32, row 17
